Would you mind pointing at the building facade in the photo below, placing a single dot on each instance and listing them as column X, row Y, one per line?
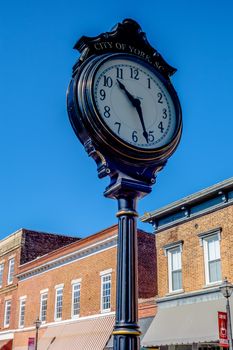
column 19, row 248
column 72, row 291
column 194, row 245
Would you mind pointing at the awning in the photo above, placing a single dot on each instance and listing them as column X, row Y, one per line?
column 185, row 324
column 88, row 334
column 6, row 344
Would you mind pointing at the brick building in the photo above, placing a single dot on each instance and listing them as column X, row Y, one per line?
column 194, row 244
column 72, row 290
column 19, row 248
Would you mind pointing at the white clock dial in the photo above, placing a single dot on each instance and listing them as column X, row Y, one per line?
column 134, row 103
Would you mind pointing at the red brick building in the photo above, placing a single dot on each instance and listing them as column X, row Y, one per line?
column 72, row 290
column 19, row 248
column 194, row 243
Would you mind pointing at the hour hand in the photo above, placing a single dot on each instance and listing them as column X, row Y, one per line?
column 130, row 97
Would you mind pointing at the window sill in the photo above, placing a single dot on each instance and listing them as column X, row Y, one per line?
column 57, row 319
column 74, row 317
column 6, row 326
column 179, row 291
column 105, row 310
column 212, row 285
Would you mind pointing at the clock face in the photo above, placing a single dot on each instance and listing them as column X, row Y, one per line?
column 134, row 102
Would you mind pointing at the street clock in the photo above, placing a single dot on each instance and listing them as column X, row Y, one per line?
column 122, row 105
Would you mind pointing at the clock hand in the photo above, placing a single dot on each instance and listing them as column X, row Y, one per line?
column 139, row 111
column 130, row 97
column 137, row 104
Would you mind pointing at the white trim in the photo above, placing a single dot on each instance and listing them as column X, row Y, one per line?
column 105, row 272
column 2, row 272
column 169, row 255
column 11, row 257
column 20, row 310
column 55, row 305
column 64, row 257
column 59, row 286
column 173, row 246
column 2, row 261
column 205, row 240
column 41, row 296
column 101, row 293
column 8, row 297
column 23, row 297
column 5, row 335
column 78, row 280
column 6, row 325
column 43, row 291
column 72, row 301
column 9, row 334
column 9, row 270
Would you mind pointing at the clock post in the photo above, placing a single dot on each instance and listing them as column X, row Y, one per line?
column 126, row 113
column 126, row 331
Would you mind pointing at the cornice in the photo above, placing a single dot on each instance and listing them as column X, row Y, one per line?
column 188, row 201
column 78, row 254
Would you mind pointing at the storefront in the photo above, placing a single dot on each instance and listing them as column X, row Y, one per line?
column 188, row 324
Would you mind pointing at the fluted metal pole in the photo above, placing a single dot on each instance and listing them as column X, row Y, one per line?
column 126, row 331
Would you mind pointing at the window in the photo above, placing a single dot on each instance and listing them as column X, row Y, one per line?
column 76, row 299
column 175, row 269
column 22, row 312
column 211, row 245
column 1, row 274
column 11, row 268
column 7, row 313
column 43, row 306
column 58, row 304
column 105, row 292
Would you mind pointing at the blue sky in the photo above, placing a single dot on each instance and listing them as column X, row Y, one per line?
column 47, row 182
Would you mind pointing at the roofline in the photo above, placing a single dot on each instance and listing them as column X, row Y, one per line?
column 62, row 249
column 189, row 200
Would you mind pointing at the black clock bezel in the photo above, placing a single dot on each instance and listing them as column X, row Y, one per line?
column 93, row 124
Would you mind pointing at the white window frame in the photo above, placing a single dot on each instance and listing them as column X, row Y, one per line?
column 42, row 294
column 1, row 273
column 6, row 310
column 103, row 275
column 168, row 252
column 11, row 270
column 22, row 300
column 75, row 283
column 204, row 242
column 58, row 289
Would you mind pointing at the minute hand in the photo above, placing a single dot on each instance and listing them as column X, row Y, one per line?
column 137, row 104
column 139, row 110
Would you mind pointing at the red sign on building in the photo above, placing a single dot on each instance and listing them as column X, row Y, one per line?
column 31, row 343
column 222, row 329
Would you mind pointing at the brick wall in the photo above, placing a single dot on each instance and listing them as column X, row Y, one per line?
column 193, row 274
column 36, row 244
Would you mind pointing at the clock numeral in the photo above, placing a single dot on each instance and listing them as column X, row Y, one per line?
column 119, row 73
column 102, row 94
column 134, row 136
column 134, row 73
column 160, row 96
column 161, row 127
column 119, row 127
column 107, row 112
column 108, row 81
column 164, row 113
column 151, row 137
column 148, row 80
